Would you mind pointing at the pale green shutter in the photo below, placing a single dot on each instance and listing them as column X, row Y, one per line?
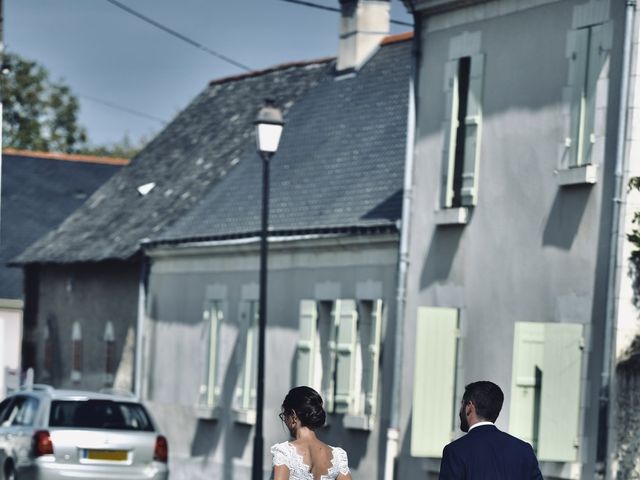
column 252, row 358
column 578, row 75
column 432, row 421
column 560, row 402
column 373, row 358
column 306, row 348
column 345, row 351
column 329, row 358
column 595, row 61
column 450, row 131
column 528, row 353
column 247, row 354
column 473, row 122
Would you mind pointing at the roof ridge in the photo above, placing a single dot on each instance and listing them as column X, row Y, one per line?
column 281, row 66
column 69, row 157
column 398, row 37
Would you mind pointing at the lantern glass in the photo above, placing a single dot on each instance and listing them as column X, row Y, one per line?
column 268, row 137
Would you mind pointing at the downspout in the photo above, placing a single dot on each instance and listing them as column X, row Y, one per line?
column 140, row 326
column 607, row 386
column 393, row 432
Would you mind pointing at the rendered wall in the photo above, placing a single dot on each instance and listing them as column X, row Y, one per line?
column 91, row 295
column 222, row 449
column 531, row 251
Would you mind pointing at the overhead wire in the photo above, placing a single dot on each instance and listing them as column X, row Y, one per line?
column 115, row 106
column 305, row 3
column 179, row 35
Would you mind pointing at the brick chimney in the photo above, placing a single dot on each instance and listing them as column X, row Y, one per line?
column 363, row 24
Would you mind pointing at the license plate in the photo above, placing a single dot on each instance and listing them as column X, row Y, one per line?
column 109, row 455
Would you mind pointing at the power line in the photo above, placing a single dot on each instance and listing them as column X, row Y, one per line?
column 178, row 35
column 334, row 9
column 115, row 106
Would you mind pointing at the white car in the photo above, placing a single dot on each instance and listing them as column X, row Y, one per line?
column 49, row 434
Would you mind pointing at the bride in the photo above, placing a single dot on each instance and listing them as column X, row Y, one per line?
column 305, row 457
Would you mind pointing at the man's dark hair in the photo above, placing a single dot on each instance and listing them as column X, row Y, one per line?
column 487, row 398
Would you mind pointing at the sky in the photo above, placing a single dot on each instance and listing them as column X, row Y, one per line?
column 107, row 55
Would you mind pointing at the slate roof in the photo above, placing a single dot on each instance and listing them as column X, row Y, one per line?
column 199, row 147
column 340, row 165
column 40, row 190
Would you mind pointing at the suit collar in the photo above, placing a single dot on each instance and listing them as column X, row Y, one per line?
column 482, row 426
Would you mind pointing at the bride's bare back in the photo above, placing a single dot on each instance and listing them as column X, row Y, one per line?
column 307, row 459
column 318, row 456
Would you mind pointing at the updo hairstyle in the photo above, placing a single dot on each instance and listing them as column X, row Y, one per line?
column 307, row 405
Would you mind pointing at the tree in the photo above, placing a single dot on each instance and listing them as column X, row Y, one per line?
column 124, row 148
column 634, row 238
column 39, row 114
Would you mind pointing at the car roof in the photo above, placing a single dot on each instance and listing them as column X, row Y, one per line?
column 55, row 394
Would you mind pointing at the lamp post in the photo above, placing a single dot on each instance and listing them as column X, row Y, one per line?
column 269, row 125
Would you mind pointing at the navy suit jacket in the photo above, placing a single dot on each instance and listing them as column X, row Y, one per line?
column 486, row 453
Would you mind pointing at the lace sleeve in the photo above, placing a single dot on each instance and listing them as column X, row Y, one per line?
column 341, row 461
column 280, row 456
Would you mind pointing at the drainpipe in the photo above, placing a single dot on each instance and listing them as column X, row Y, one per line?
column 140, row 325
column 607, row 386
column 393, row 432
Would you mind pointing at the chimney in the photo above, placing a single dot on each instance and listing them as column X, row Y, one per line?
column 363, row 24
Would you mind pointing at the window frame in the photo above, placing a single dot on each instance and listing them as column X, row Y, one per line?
column 461, row 153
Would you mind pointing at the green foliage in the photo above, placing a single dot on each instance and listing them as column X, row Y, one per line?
column 39, row 114
column 634, row 238
column 125, row 148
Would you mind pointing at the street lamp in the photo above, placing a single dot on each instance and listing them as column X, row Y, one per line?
column 269, row 125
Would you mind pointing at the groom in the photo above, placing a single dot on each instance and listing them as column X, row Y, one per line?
column 486, row 452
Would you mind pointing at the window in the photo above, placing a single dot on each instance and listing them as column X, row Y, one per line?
column 27, row 412
column 18, row 411
column 103, row 414
column 434, row 409
column 462, row 131
column 212, row 318
column 545, row 388
column 5, row 409
column 109, row 354
column 76, row 353
column 586, row 60
column 338, row 354
column 245, row 396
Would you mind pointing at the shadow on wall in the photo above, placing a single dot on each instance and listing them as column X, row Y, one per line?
column 565, row 216
column 207, row 435
column 441, row 254
column 628, row 414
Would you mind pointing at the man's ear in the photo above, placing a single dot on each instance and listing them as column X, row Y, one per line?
column 469, row 408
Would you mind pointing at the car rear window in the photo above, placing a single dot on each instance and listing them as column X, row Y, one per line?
column 100, row 414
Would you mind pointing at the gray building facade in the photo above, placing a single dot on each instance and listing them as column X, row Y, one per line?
column 513, row 228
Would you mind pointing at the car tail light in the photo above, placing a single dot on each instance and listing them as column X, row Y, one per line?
column 42, row 444
column 161, row 451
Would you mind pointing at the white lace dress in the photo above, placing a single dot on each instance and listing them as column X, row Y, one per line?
column 286, row 454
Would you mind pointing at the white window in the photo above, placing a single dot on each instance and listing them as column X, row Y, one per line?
column 338, row 354
column 545, row 389
column 587, row 57
column 246, row 388
column 76, row 353
column 213, row 316
column 463, row 120
column 109, row 354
